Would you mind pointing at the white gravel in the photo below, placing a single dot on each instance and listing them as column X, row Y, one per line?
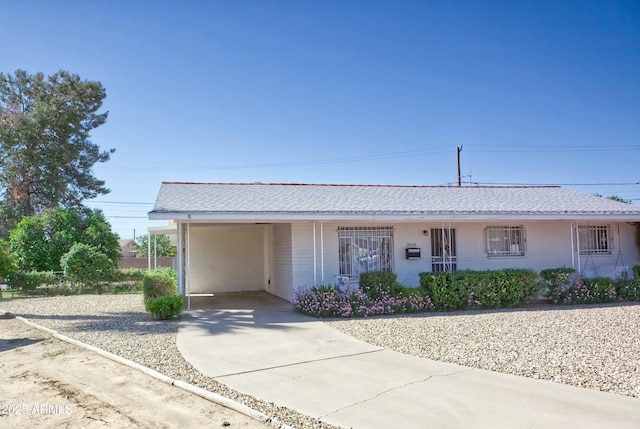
column 120, row 325
column 596, row 347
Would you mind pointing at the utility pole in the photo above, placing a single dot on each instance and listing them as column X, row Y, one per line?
column 458, row 150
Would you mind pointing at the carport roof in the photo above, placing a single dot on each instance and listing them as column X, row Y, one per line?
column 283, row 202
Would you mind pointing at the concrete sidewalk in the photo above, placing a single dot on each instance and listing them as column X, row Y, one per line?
column 255, row 344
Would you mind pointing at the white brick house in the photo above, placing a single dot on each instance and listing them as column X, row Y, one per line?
column 278, row 237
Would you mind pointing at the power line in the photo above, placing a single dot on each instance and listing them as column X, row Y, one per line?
column 558, row 184
column 383, row 156
column 119, row 202
column 552, row 148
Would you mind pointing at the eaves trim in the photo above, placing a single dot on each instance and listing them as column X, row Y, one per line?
column 400, row 217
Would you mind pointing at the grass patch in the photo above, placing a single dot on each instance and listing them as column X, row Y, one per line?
column 53, row 353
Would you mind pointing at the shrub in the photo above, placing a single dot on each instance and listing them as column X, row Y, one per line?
column 328, row 301
column 167, row 271
column 588, row 291
column 636, row 267
column 88, row 265
column 128, row 275
column 127, row 280
column 629, row 289
column 29, row 282
column 375, row 284
column 156, row 284
column 446, row 293
column 479, row 289
column 165, row 307
column 60, row 288
column 577, row 290
column 555, row 280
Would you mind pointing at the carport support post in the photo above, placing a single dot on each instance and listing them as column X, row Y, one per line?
column 321, row 253
column 315, row 263
column 188, row 267
column 573, row 250
column 181, row 247
column 578, row 246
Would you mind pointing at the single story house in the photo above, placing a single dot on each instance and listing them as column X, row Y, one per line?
column 279, row 237
column 127, row 248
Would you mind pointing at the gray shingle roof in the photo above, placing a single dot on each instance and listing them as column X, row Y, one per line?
column 351, row 200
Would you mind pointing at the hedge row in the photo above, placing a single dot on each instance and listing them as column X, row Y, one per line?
column 379, row 293
column 52, row 284
column 479, row 289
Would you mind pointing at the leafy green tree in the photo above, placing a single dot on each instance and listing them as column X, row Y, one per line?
column 38, row 243
column 87, row 264
column 46, row 154
column 7, row 266
column 161, row 244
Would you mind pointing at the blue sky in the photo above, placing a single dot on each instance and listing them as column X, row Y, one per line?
column 375, row 92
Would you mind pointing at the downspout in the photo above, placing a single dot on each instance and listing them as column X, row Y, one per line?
column 149, row 250
column 155, row 251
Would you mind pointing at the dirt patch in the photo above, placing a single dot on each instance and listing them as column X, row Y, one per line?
column 49, row 383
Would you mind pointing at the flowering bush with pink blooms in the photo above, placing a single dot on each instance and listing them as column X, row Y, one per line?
column 629, row 289
column 327, row 301
column 597, row 291
column 588, row 291
column 566, row 286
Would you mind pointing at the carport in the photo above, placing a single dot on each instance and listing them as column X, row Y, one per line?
column 222, row 257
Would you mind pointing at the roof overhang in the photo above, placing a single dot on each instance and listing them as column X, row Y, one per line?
column 386, row 217
column 163, row 230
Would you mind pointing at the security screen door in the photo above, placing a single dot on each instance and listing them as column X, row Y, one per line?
column 443, row 249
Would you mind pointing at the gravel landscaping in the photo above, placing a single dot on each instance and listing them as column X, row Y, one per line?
column 120, row 325
column 596, row 347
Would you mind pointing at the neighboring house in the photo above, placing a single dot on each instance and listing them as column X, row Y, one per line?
column 127, row 248
column 130, row 258
column 279, row 237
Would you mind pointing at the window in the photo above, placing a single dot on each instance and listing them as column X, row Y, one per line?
column 365, row 249
column 594, row 240
column 506, row 241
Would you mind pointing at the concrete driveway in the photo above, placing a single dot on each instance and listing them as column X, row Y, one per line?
column 254, row 343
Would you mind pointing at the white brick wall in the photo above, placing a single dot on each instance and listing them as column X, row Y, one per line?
column 302, row 254
column 281, row 262
column 548, row 246
column 246, row 256
column 226, row 258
